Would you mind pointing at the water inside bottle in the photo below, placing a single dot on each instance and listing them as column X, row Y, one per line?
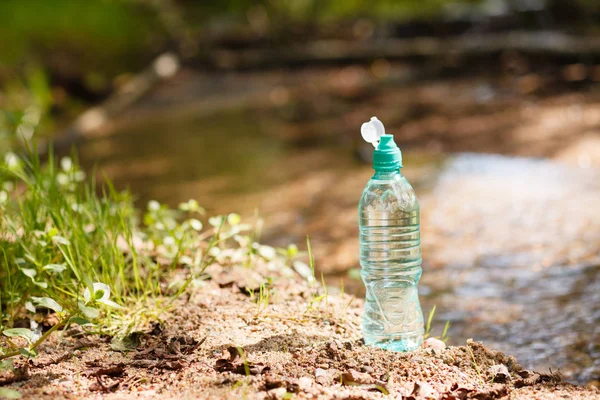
column 391, row 263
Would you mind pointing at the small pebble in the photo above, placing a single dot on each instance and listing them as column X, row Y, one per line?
column 322, row 380
column 424, row 390
column 433, row 343
column 351, row 376
column 320, row 372
column 277, row 393
column 499, row 372
column 305, row 383
column 368, row 369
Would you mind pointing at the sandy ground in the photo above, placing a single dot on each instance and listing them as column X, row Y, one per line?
column 303, row 343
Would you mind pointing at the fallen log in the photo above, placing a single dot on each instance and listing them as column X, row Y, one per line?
column 338, row 51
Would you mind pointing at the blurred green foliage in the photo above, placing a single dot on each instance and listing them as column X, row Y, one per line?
column 57, row 54
column 104, row 36
column 51, row 49
column 24, row 107
column 382, row 10
column 101, row 35
column 97, row 39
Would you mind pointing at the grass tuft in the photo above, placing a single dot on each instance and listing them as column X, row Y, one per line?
column 86, row 254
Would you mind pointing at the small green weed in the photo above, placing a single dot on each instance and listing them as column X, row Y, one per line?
column 444, row 337
column 262, row 296
column 475, row 365
column 317, row 297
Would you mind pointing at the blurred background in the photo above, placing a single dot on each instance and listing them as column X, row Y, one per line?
column 255, row 107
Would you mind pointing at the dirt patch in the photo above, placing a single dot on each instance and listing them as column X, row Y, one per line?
column 301, row 343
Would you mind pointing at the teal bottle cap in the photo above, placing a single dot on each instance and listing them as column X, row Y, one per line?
column 387, row 155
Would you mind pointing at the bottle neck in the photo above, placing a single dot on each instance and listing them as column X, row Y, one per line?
column 387, row 175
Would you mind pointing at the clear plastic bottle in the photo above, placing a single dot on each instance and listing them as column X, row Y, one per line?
column 390, row 254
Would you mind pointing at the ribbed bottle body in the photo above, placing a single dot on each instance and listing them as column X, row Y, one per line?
column 390, row 258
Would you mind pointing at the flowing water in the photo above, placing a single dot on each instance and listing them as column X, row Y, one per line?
column 518, row 243
column 510, row 244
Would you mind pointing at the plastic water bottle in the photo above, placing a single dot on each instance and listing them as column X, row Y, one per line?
column 390, row 249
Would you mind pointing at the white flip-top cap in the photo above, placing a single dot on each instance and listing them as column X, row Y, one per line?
column 371, row 131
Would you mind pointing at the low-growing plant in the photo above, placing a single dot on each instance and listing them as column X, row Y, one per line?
column 85, row 255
